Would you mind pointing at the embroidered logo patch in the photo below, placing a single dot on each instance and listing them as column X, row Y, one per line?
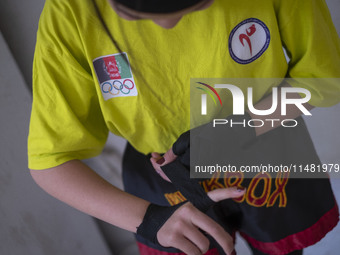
column 115, row 76
column 248, row 41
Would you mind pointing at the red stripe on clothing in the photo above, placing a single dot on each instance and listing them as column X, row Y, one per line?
column 301, row 239
column 146, row 250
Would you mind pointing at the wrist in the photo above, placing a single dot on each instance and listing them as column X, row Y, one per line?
column 153, row 219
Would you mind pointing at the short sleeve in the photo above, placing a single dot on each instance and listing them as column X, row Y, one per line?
column 66, row 120
column 313, row 45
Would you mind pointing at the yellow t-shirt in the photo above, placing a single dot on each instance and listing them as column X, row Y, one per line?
column 83, row 87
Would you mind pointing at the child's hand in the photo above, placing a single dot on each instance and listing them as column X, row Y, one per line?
column 157, row 161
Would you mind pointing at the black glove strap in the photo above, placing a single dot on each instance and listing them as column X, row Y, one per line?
column 154, row 219
column 182, row 144
column 190, row 188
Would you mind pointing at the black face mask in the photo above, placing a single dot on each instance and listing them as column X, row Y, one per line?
column 158, row 6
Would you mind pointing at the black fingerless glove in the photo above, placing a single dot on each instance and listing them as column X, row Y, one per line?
column 154, row 218
column 179, row 170
column 179, row 175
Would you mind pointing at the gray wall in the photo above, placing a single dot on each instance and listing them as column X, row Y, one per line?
column 32, row 222
column 18, row 24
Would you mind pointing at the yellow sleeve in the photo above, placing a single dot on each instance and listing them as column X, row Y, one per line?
column 313, row 45
column 66, row 120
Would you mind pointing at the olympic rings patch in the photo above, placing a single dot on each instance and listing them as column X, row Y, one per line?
column 115, row 87
column 115, row 76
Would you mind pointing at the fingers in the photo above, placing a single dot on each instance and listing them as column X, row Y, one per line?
column 157, row 161
column 185, row 245
column 222, row 194
column 156, row 155
column 182, row 231
column 196, row 237
column 169, row 156
column 158, row 169
column 212, row 228
column 179, row 232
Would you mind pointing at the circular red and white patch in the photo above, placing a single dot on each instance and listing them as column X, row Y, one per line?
column 248, row 41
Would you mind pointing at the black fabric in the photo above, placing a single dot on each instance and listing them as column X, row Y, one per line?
column 238, row 136
column 190, row 188
column 181, row 148
column 307, row 199
column 157, row 6
column 154, row 218
column 140, row 179
column 257, row 252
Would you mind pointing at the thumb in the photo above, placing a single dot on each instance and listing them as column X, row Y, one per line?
column 222, row 194
column 169, row 156
column 159, row 160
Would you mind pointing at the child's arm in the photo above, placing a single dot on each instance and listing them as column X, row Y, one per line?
column 80, row 187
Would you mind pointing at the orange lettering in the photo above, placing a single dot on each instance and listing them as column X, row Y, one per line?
column 280, row 183
column 175, row 198
column 213, row 183
column 261, row 200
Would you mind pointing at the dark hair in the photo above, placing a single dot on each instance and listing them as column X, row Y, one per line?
column 157, row 6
